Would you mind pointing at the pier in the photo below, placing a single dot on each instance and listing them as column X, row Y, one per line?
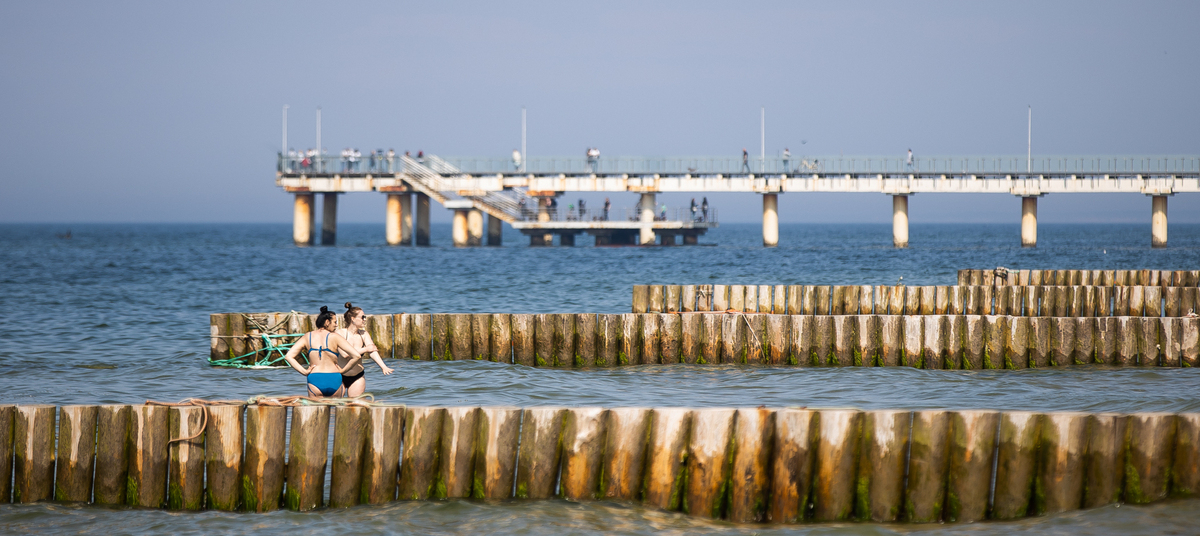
column 521, row 193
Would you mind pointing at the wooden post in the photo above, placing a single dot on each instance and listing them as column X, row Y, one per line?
column 891, row 340
column 691, row 338
column 350, row 447
column 688, row 294
column 808, row 300
column 928, row 300
column 499, row 339
column 958, row 300
column 1189, row 352
column 1085, row 340
column 1016, row 301
column 674, row 294
column 76, row 452
column 524, row 349
column 657, row 300
column 1148, row 341
column 582, row 453
column 822, row 304
column 1003, row 299
column 749, row 484
column 6, row 451
column 543, row 344
column 641, row 298
column 625, row 452
column 147, row 485
column 835, row 465
column 185, row 468
column 651, row 337
column 608, row 330
column 1154, row 305
column 866, row 301
column 419, row 461
column 928, row 466
column 670, row 330
column 439, row 337
column 1137, row 301
column 912, row 301
column 630, row 352
column 969, row 477
column 1120, row 301
column 1127, row 340
column 941, row 299
column 499, row 430
column 263, row 468
column 457, row 453
column 481, row 337
column 402, row 347
column 308, row 454
column 1106, row 341
column 381, row 460
column 780, row 300
column 585, row 340
column 913, row 330
column 218, row 345
column 750, row 305
column 764, row 299
column 1016, row 353
column 737, row 298
column 540, row 452
column 933, row 344
column 1185, row 467
column 708, row 462
column 1062, row 341
column 1039, row 342
column 882, row 458
column 460, row 337
column 1058, row 486
column 704, row 297
column 1148, row 464
column 666, row 452
column 33, row 453
column 849, row 300
column 823, row 341
column 1104, row 298
column 792, row 447
column 956, row 336
column 866, row 351
column 756, row 339
column 1075, row 296
column 844, row 340
column 1016, row 464
column 720, row 298
column 1173, row 299
column 1104, row 459
column 381, row 329
column 422, row 336
column 799, row 340
column 733, row 338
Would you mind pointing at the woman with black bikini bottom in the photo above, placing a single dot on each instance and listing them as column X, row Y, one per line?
column 356, row 334
column 324, row 371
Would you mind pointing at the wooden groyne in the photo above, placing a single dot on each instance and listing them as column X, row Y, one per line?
column 929, row 341
column 1074, row 301
column 745, row 465
column 1100, row 278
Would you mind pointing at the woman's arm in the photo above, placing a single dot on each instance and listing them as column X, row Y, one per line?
column 355, row 357
column 374, row 355
column 300, row 346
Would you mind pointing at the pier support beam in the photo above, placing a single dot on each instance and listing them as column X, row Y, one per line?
column 546, row 239
column 474, row 227
column 566, row 239
column 900, row 221
column 1158, row 221
column 398, row 211
column 459, row 228
column 646, row 216
column 770, row 220
column 302, row 220
column 494, row 229
column 1028, row 222
column 422, row 237
column 329, row 219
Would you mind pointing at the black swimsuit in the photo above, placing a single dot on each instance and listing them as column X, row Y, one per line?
column 347, row 381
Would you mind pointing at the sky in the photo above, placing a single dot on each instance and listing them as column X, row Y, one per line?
column 171, row 112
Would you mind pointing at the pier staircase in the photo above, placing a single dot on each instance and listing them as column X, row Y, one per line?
column 433, row 176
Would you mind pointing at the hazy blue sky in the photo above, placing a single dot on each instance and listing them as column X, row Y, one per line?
column 170, row 112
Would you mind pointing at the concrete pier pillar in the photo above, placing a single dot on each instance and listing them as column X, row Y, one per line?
column 1028, row 222
column 395, row 215
column 302, row 220
column 770, row 220
column 1158, row 221
column 900, row 221
column 422, row 234
column 406, row 219
column 329, row 219
column 566, row 239
column 543, row 215
column 459, row 228
column 646, row 216
column 494, row 230
column 474, row 227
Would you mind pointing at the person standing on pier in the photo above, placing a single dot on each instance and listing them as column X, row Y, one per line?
column 516, row 156
column 704, row 208
column 745, row 160
column 787, row 155
column 909, row 163
column 323, row 346
column 607, row 205
column 356, row 334
column 581, row 210
column 694, row 208
column 391, row 160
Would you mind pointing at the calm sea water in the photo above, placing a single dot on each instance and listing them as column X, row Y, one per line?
column 119, row 313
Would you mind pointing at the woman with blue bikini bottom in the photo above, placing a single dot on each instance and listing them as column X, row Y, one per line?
column 323, row 346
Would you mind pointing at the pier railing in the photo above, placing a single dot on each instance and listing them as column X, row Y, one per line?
column 575, row 214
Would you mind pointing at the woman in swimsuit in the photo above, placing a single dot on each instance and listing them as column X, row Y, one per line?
column 324, row 371
column 356, row 333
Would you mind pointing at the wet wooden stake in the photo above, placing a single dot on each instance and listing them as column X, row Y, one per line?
column 308, row 454
column 958, row 300
column 1150, row 345
column 582, row 453
column 995, row 332
column 381, row 329
column 460, row 337
column 704, row 297
column 76, row 453
column 666, row 452
column 1104, row 459
column 1039, row 342
column 1017, row 352
column 608, row 330
column 657, row 300
column 651, row 338
column 439, row 337
column 1058, row 486
column 185, row 467
column 750, row 304
column 381, row 461
column 585, row 340
column 1153, row 297
column 1148, row 464
column 263, row 468
column 481, row 335
column 720, row 298
column 147, row 486
column 1104, row 301
column 565, row 340
column 422, row 342
column 765, row 303
column 690, row 327
column 850, row 299
column 1085, row 340
column 1137, row 301
column 733, row 338
column 1185, row 467
column 823, row 341
column 737, row 298
column 1016, row 301
column 624, row 453
column 688, row 294
column 933, row 342
column 866, row 300
column 641, row 299
column 800, row 343
column 1189, row 351
column 33, row 453
column 749, row 484
column 500, row 339
column 928, row 464
column 496, row 444
column 792, row 448
column 1003, row 299
column 913, row 330
column 1016, row 464
column 912, row 301
column 1062, row 341
column 1173, row 299
column 928, row 300
column 941, row 299
column 524, row 348
column 969, row 477
column 457, row 456
column 223, row 440
column 883, row 455
column 710, row 339
column 866, row 351
column 1106, row 341
column 780, row 300
column 419, row 461
column 708, row 462
column 1120, row 300
column 835, row 468
column 540, row 452
column 543, row 343
column 630, row 352
column 673, row 296
column 6, row 451
column 891, row 340
column 821, row 297
column 1127, row 340
column 670, row 330
column 844, row 340
column 350, row 433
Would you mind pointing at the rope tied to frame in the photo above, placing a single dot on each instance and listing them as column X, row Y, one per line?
column 364, row 400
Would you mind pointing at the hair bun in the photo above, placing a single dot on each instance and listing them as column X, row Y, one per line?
column 348, row 306
column 324, row 309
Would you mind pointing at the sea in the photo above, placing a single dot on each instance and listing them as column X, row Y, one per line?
column 118, row 313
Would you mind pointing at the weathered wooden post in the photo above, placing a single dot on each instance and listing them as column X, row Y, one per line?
column 941, row 300
column 969, row 477
column 710, row 338
column 496, row 457
column 823, row 341
column 822, row 295
column 691, row 331
column 419, row 460
column 844, row 340
column 795, row 299
column 779, row 300
column 778, row 330
column 641, row 299
column 891, row 340
column 382, row 330
column 958, row 299
column 543, row 343
column 608, row 331
column 350, row 447
column 6, row 451
column 657, row 300
column 666, row 452
column 76, row 452
column 866, row 351
column 733, row 338
column 913, row 330
column 1154, row 305
column 1106, row 340
column 704, row 298
column 185, row 466
column 582, row 453
column 1017, row 353
column 1104, row 459
column 585, row 340
column 737, row 298
column 1016, row 464
column 749, row 484
column 673, row 296
column 223, row 441
column 1185, row 467
column 933, row 342
column 1148, row 464
column 688, row 294
column 670, row 331
column 439, row 337
column 1039, row 342
column 565, row 340
column 421, row 336
column 866, row 300
column 928, row 466
column 912, row 301
column 624, row 452
column 308, row 454
column 460, row 337
column 835, row 465
column 1189, row 351
column 457, row 453
column 1173, row 298
column 974, row 342
column 651, row 338
column 263, row 468
column 33, row 453
column 147, row 485
column 1085, row 340
column 928, row 300
column 850, row 299
column 1149, row 343
column 708, row 462
column 381, row 461
column 1062, row 341
column 995, row 333
column 500, row 338
column 791, row 471
column 481, row 337
column 1058, row 486
column 630, row 352
column 764, row 299
column 720, row 298
column 1137, row 301
column 523, row 339
column 540, row 452
column 1127, row 340
column 882, row 459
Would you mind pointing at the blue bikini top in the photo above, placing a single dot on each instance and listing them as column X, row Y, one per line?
column 319, row 351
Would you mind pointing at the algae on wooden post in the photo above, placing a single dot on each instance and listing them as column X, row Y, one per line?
column 350, row 433
column 6, row 451
column 381, row 329
column 1085, row 340
column 969, row 473
column 651, row 338
column 500, row 340
column 523, row 340
column 928, row 464
column 582, row 453
column 543, row 340
column 750, row 481
column 585, row 340
column 540, row 452
column 891, row 340
column 625, row 443
column 933, row 344
column 419, row 461
column 457, row 453
column 76, row 453
column 459, row 336
column 263, row 467
column 800, row 341
column 708, row 463
column 631, row 340
column 1017, row 352
column 422, row 341
column 33, row 453
column 1104, row 459
column 835, row 465
column 565, row 340
column 1149, row 345
column 308, row 454
column 496, row 452
column 710, row 339
column 1185, row 467
column 185, row 480
column 1039, row 342
column 381, row 461
column 223, row 443
column 1058, row 486
column 1016, row 464
column 866, row 350
column 913, row 330
column 671, row 335
column 608, row 329
column 1189, row 351
column 792, row 448
column 481, row 337
column 1062, row 341
column 879, row 480
column 690, row 328
column 756, row 339
column 1148, row 463
column 147, row 481
column 439, row 337
column 844, row 341
column 733, row 338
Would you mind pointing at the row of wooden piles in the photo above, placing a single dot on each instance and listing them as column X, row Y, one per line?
column 744, row 465
column 922, row 341
column 1100, row 278
column 1042, row 300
